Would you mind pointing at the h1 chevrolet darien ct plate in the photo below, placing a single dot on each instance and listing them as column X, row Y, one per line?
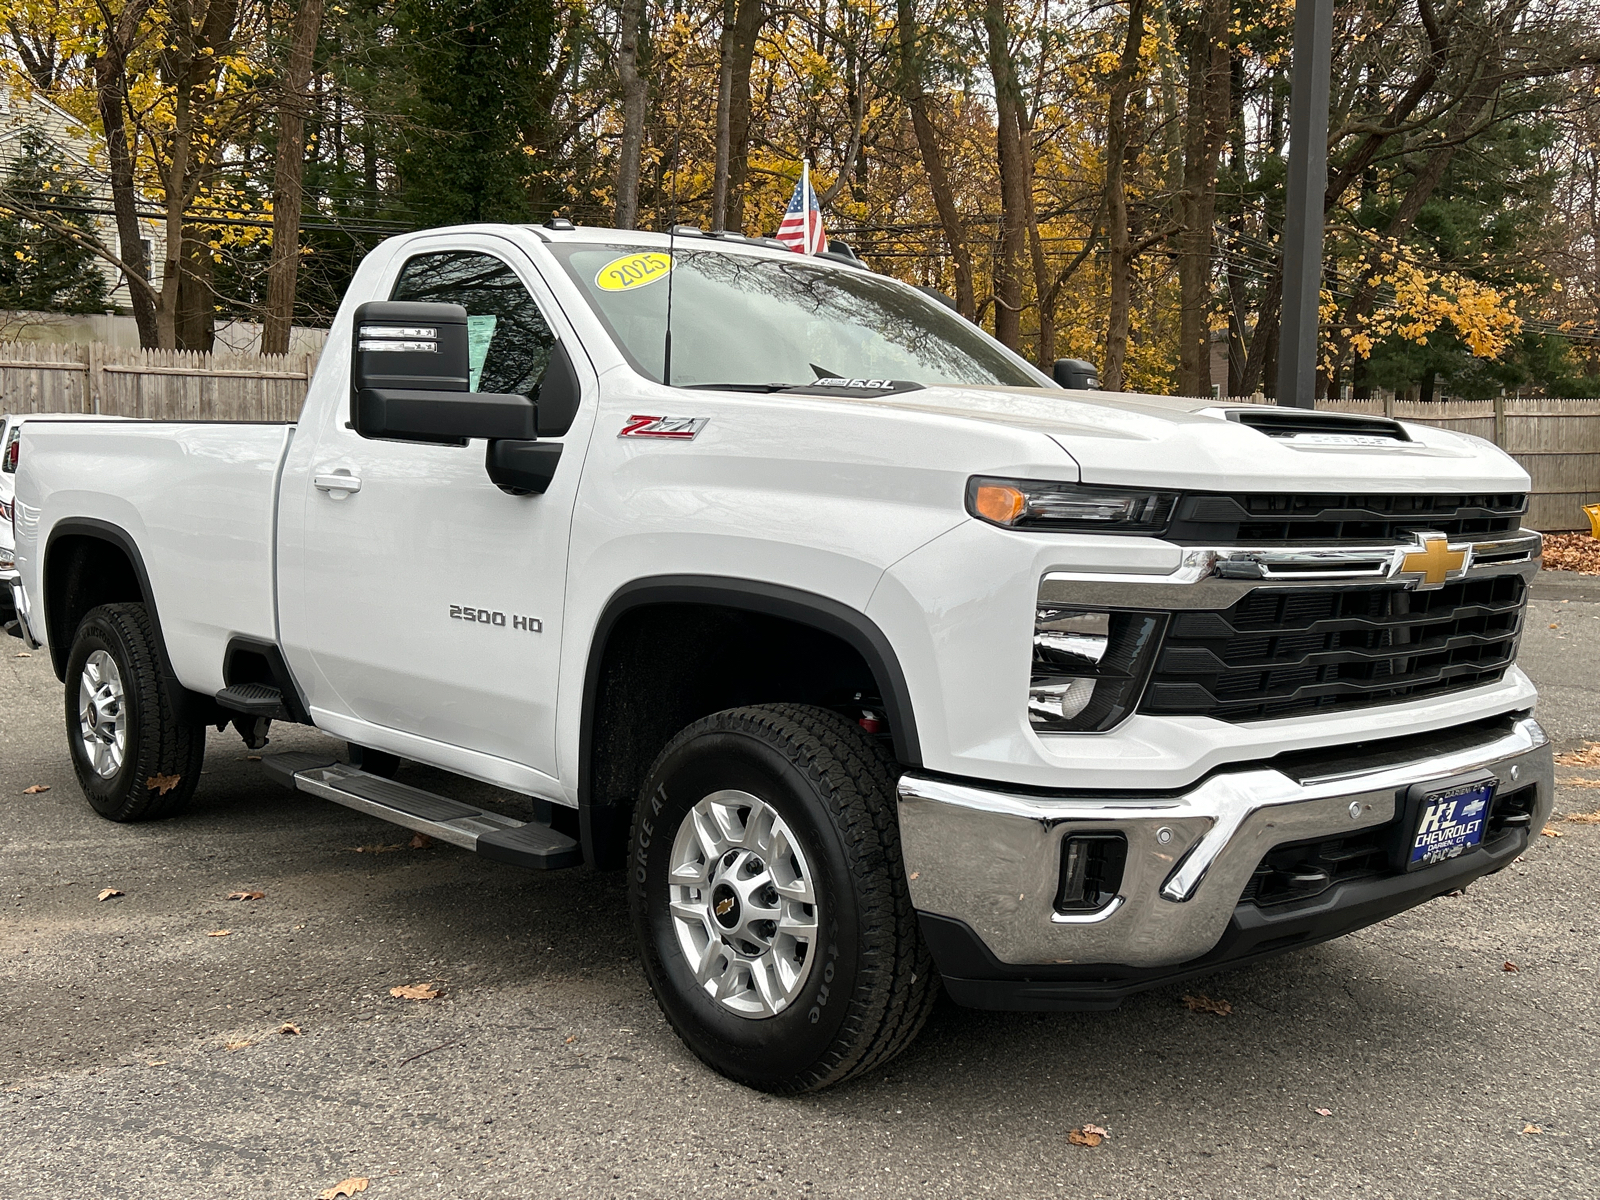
column 1449, row 822
column 871, row 659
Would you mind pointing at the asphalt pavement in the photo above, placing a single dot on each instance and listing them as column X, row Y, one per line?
column 141, row 1053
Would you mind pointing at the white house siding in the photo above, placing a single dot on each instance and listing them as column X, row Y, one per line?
column 21, row 108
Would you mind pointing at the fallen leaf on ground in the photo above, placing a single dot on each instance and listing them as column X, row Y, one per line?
column 1572, row 552
column 1532, row 1129
column 1584, row 818
column 247, row 895
column 376, row 849
column 915, row 875
column 220, row 933
column 1089, row 1135
column 1204, row 1003
column 252, row 758
column 344, row 1188
column 290, row 1030
column 240, row 1045
column 23, row 654
column 162, row 784
column 417, row 991
column 1553, row 625
column 160, row 1062
column 1548, row 832
column 35, row 788
column 1323, row 1112
column 107, row 893
column 1511, row 967
column 572, row 1039
column 420, row 841
column 1582, row 782
column 1587, row 756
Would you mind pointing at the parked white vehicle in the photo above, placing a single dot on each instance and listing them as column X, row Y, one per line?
column 874, row 658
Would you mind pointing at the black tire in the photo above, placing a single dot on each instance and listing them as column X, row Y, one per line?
column 873, row 983
column 162, row 756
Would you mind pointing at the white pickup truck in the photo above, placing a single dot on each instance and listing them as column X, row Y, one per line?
column 874, row 658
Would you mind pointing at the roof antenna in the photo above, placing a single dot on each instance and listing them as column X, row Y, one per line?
column 672, row 233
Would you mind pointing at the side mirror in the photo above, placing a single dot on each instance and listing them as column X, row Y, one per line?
column 1076, row 375
column 410, row 381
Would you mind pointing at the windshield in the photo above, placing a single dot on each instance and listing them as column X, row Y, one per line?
column 760, row 323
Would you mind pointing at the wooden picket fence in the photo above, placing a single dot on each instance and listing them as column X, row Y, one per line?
column 1556, row 441
column 173, row 385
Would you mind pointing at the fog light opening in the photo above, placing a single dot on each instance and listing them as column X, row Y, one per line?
column 1091, row 871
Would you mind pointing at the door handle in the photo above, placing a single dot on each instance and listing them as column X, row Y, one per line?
column 339, row 481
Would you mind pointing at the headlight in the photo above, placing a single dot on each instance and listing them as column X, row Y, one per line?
column 1089, row 667
column 1070, row 507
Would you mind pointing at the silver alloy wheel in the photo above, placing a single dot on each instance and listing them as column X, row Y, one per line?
column 743, row 905
column 101, row 720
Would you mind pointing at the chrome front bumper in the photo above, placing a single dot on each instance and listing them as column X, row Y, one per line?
column 992, row 858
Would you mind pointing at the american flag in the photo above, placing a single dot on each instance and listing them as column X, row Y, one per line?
column 801, row 229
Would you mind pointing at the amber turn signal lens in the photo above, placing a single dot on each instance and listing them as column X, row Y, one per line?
column 998, row 503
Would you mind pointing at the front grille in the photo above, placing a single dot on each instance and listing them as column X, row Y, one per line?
column 1296, row 651
column 1266, row 517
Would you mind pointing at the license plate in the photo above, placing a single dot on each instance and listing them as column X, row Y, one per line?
column 1450, row 823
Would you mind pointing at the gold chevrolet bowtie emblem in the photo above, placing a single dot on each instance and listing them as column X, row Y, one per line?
column 1434, row 562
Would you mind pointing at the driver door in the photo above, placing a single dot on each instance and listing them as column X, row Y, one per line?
column 432, row 599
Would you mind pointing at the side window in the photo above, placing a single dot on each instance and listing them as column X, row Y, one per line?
column 507, row 337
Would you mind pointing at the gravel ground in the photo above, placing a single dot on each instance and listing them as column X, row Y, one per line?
column 142, row 1056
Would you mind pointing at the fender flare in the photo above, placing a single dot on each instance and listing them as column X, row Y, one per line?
column 197, row 707
column 849, row 625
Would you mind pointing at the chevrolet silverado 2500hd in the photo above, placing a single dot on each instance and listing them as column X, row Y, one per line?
column 876, row 660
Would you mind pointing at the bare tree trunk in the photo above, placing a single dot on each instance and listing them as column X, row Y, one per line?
column 747, row 28
column 1118, row 234
column 111, row 98
column 635, row 92
column 288, row 173
column 719, row 177
column 1013, row 177
column 1209, row 86
column 911, row 74
column 177, row 175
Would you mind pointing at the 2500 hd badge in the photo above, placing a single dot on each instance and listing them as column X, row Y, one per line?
column 486, row 616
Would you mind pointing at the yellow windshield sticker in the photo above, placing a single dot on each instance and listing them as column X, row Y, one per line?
column 632, row 271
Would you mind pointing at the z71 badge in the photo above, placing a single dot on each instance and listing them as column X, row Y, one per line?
column 680, row 429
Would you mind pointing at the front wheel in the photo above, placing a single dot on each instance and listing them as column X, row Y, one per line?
column 770, row 901
column 134, row 758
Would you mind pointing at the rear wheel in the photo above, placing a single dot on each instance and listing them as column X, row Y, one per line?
column 770, row 900
column 134, row 758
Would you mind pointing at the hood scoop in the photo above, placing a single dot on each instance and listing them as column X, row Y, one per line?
column 1318, row 429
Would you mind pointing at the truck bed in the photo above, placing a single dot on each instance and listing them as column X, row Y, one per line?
column 199, row 502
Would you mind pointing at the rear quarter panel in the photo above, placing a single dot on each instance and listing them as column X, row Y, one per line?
column 197, row 500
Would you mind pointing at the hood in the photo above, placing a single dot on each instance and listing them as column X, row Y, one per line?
column 1192, row 443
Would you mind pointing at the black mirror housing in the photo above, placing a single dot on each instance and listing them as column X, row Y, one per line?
column 449, row 417
column 418, row 347
column 1076, row 375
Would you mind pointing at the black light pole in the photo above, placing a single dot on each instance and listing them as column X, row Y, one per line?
column 1308, row 183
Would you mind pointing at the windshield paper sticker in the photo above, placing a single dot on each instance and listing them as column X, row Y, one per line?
column 480, row 332
column 678, row 429
column 632, row 271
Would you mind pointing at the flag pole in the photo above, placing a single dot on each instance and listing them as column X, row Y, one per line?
column 805, row 201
